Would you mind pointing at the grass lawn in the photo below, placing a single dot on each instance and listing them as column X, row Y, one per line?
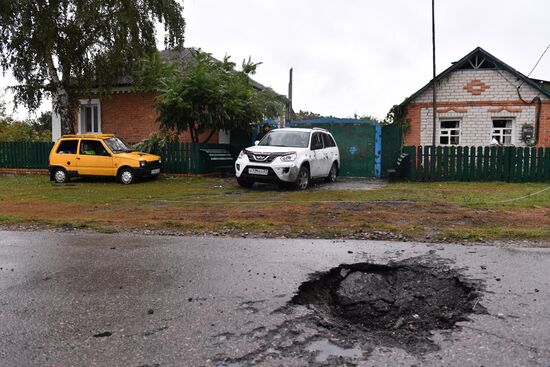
column 450, row 210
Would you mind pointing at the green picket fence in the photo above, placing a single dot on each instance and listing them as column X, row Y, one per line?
column 176, row 157
column 511, row 164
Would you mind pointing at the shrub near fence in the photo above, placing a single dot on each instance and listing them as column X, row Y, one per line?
column 511, row 164
column 176, row 157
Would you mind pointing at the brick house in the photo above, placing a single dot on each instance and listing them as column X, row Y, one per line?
column 129, row 114
column 481, row 101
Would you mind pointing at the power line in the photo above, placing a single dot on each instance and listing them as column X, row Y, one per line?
column 534, row 67
column 540, row 58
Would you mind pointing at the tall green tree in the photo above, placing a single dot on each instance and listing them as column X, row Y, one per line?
column 205, row 94
column 66, row 48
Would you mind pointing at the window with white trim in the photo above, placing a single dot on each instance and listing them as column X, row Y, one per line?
column 89, row 117
column 502, row 131
column 449, row 132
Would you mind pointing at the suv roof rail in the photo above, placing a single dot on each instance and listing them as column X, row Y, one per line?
column 319, row 128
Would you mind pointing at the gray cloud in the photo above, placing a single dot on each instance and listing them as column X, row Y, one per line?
column 364, row 56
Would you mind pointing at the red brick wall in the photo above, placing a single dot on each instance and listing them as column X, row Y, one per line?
column 544, row 125
column 412, row 137
column 132, row 116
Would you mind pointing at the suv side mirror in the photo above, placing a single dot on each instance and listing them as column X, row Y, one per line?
column 256, row 142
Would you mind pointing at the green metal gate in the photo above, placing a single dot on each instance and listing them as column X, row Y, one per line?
column 392, row 136
column 356, row 140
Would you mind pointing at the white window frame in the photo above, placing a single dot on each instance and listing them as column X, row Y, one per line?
column 511, row 128
column 89, row 103
column 447, row 131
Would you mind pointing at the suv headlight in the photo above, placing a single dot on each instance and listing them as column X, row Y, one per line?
column 289, row 157
column 160, row 160
column 142, row 163
column 241, row 154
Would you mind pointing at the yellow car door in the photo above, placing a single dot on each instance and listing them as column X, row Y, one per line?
column 94, row 159
column 65, row 155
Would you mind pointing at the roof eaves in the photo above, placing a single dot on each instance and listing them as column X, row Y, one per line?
column 455, row 65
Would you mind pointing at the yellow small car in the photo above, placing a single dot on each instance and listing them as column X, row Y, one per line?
column 99, row 155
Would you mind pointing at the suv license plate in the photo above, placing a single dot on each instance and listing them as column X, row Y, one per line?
column 258, row 171
column 155, row 171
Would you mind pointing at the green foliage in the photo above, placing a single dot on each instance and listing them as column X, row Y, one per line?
column 155, row 142
column 398, row 115
column 369, row 118
column 29, row 130
column 206, row 94
column 43, row 122
column 306, row 115
column 64, row 48
column 22, row 131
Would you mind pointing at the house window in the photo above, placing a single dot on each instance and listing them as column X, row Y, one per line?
column 449, row 132
column 502, row 132
column 89, row 118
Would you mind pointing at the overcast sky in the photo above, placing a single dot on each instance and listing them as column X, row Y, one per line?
column 363, row 56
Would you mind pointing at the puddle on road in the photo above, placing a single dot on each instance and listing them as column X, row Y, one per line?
column 324, row 349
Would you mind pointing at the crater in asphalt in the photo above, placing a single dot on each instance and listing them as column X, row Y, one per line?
column 404, row 300
column 340, row 316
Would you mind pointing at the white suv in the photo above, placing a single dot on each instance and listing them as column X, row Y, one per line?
column 289, row 156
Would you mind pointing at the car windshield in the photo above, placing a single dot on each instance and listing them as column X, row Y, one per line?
column 117, row 145
column 286, row 138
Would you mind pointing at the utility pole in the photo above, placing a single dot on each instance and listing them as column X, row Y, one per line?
column 289, row 106
column 433, row 79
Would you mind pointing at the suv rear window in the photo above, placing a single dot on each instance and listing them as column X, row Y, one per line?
column 329, row 142
column 67, row 147
column 317, row 141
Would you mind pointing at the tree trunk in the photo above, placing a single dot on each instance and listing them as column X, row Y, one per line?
column 60, row 99
column 62, row 107
column 192, row 133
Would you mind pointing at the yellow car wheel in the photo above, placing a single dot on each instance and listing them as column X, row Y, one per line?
column 126, row 176
column 60, row 175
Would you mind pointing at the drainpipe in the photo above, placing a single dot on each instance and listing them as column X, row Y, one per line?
column 538, row 107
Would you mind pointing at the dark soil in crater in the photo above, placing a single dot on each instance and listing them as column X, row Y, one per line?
column 403, row 301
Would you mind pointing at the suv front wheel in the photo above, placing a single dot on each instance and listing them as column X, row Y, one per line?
column 302, row 182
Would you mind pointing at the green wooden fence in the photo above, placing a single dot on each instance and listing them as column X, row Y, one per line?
column 176, row 157
column 187, row 158
column 22, row 154
column 511, row 164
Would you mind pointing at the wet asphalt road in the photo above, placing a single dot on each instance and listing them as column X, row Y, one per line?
column 207, row 301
